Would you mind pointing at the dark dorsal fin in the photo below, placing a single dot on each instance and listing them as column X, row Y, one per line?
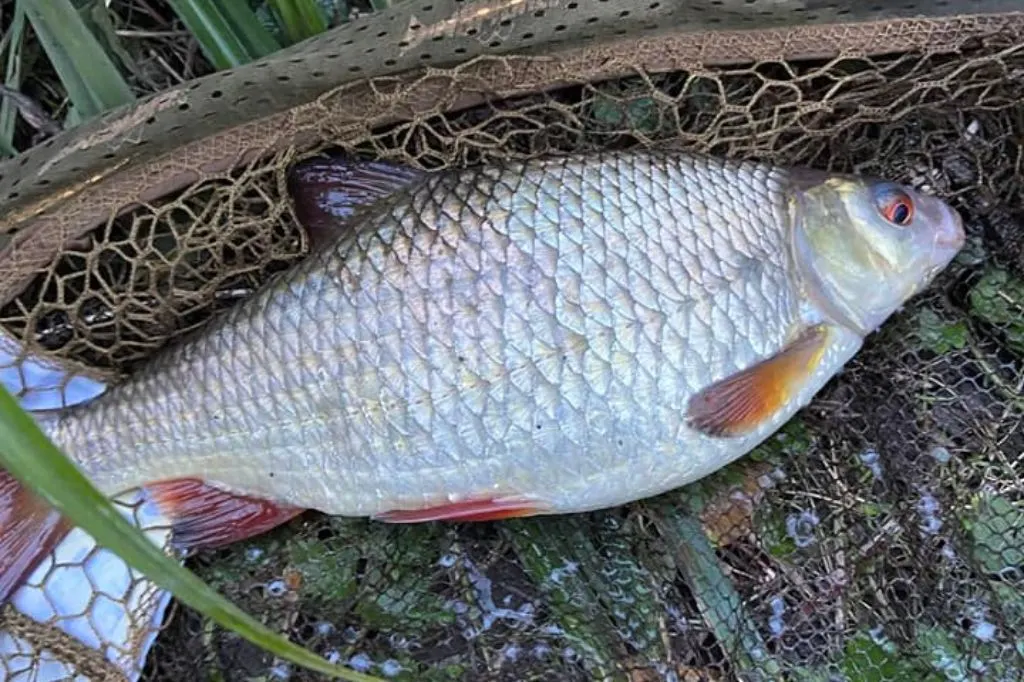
column 327, row 191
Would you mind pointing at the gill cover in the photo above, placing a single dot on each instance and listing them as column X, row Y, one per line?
column 865, row 246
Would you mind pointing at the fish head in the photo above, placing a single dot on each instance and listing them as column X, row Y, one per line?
column 865, row 246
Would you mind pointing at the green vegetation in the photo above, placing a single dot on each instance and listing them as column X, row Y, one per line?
column 940, row 336
column 997, row 529
column 229, row 33
column 998, row 299
column 86, row 71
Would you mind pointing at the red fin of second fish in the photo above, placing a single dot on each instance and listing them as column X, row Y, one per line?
column 492, row 509
column 204, row 516
column 736, row 405
column 29, row 530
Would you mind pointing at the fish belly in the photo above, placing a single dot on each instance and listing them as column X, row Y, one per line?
column 533, row 329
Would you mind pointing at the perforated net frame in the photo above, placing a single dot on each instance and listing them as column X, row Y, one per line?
column 879, row 538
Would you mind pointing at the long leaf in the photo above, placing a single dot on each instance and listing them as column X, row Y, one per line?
column 30, row 457
column 98, row 18
column 93, row 83
column 576, row 594
column 225, row 34
column 12, row 78
column 301, row 19
column 255, row 35
column 719, row 601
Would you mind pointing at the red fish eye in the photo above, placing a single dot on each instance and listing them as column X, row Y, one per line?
column 896, row 207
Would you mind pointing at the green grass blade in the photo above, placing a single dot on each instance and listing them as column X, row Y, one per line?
column 300, row 19
column 12, row 79
column 716, row 596
column 217, row 39
column 30, row 457
column 223, row 40
column 98, row 18
column 93, row 83
column 254, row 34
column 633, row 594
column 575, row 597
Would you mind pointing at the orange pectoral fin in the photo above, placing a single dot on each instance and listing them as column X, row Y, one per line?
column 484, row 509
column 736, row 405
column 205, row 517
column 29, row 530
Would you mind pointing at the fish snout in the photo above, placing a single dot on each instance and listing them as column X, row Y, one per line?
column 947, row 235
column 951, row 234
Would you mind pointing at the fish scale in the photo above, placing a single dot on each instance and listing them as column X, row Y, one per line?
column 533, row 329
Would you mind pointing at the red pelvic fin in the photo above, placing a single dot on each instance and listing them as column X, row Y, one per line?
column 29, row 530
column 486, row 509
column 204, row 516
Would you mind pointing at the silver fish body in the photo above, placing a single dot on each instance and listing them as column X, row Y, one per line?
column 533, row 331
column 553, row 336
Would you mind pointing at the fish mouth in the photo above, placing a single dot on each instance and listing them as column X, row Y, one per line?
column 950, row 237
column 947, row 242
column 952, row 234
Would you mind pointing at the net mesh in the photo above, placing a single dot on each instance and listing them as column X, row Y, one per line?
column 878, row 536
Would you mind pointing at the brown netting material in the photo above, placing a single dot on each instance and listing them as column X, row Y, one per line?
column 880, row 537
column 88, row 662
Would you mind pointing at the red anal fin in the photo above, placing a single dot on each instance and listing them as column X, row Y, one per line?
column 29, row 530
column 738, row 404
column 487, row 509
column 204, row 516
